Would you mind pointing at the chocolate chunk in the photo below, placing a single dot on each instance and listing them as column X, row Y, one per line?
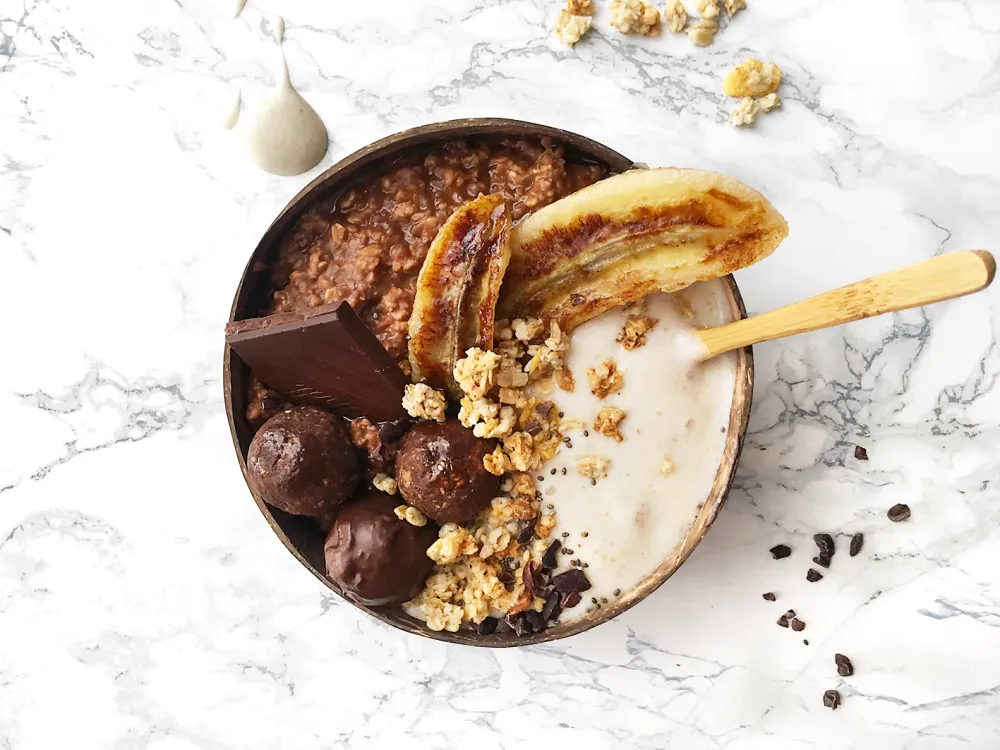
column 769, row 597
column 825, row 544
column 391, row 432
column 783, row 621
column 518, row 623
column 572, row 581
column 781, row 551
column 820, row 560
column 571, row 599
column 503, row 626
column 899, row 512
column 324, row 357
column 533, row 427
column 831, row 699
column 487, row 626
column 844, row 666
column 526, row 533
column 857, row 541
column 528, row 576
column 814, row 575
column 551, row 610
column 797, row 625
column 507, row 579
column 535, row 619
column 549, row 558
column 860, row 453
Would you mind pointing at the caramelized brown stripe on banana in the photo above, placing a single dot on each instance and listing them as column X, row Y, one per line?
column 456, row 291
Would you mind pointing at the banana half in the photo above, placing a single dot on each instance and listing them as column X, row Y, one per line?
column 457, row 289
column 642, row 231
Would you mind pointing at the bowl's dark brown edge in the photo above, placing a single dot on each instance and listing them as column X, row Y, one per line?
column 235, row 373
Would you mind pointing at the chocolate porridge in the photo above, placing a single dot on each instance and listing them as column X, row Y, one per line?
column 366, row 246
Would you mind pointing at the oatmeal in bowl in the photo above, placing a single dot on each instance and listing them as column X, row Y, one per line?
column 454, row 382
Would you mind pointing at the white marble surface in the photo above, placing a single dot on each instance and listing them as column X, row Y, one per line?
column 144, row 603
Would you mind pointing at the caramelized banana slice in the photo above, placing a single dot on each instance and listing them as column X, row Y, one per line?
column 635, row 233
column 457, row 289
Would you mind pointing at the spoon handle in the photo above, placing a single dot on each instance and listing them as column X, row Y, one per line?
column 939, row 278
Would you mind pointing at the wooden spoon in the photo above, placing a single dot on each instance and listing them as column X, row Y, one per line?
column 940, row 278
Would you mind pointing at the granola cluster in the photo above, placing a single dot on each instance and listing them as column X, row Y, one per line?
column 479, row 567
column 573, row 21
column 605, row 379
column 423, row 402
column 496, row 403
column 756, row 84
column 635, row 17
column 633, row 334
column 410, row 515
column 608, row 421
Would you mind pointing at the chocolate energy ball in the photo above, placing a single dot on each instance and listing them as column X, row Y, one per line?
column 302, row 462
column 374, row 556
column 440, row 471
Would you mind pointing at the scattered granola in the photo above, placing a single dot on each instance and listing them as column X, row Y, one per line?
column 633, row 333
column 702, row 32
column 709, row 9
column 423, row 402
column 593, row 467
column 570, row 28
column 769, row 102
column 675, row 16
column 605, row 379
column 635, row 17
column 386, row 484
column 667, row 467
column 410, row 515
column 751, row 78
column 607, row 422
column 479, row 571
column 745, row 113
column 732, row 6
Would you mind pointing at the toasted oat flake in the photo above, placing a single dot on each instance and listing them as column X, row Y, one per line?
column 410, row 515
column 607, row 422
column 475, row 373
column 423, row 402
column 769, row 102
column 709, row 9
column 751, row 78
column 745, row 113
column 635, row 17
column 386, row 484
column 675, row 16
column 497, row 463
column 733, row 6
column 569, row 28
column 580, row 7
column 702, row 32
column 667, row 467
column 593, row 467
column 605, row 379
column 633, row 333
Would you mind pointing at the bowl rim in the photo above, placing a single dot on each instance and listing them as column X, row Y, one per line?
column 340, row 173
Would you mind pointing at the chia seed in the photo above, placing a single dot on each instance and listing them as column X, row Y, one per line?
column 553, row 472
column 586, row 434
column 618, row 592
column 593, row 482
column 564, row 471
column 584, row 534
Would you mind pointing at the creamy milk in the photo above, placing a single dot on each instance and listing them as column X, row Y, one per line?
column 636, row 516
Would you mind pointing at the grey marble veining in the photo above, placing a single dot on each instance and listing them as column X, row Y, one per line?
column 144, row 603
